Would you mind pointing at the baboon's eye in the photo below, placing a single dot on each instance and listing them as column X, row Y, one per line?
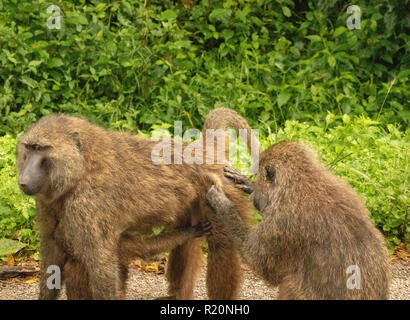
column 45, row 163
column 36, row 147
column 270, row 172
column 32, row 146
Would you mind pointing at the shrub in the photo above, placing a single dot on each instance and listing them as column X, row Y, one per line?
column 16, row 210
column 133, row 64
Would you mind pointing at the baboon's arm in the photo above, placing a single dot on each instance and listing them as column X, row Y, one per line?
column 96, row 250
column 241, row 181
column 227, row 213
column 255, row 244
column 158, row 244
column 51, row 255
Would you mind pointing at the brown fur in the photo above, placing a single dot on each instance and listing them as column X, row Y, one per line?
column 314, row 227
column 102, row 186
column 132, row 245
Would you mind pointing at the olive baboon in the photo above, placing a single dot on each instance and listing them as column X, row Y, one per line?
column 93, row 188
column 314, row 228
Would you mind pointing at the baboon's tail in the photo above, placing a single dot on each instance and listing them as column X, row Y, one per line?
column 225, row 118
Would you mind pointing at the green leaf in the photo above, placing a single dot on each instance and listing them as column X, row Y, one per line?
column 283, row 97
column 169, row 15
column 339, row 31
column 314, row 38
column 286, row 11
column 28, row 81
column 8, row 246
column 55, row 63
column 331, row 61
column 156, row 231
column 100, row 7
column 78, row 18
column 227, row 34
column 220, row 14
column 35, row 63
column 12, row 59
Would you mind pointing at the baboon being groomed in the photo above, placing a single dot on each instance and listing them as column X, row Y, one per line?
column 316, row 239
column 94, row 189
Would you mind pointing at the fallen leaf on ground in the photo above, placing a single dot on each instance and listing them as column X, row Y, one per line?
column 10, row 260
column 31, row 280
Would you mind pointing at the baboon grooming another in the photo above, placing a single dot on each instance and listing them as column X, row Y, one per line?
column 314, row 228
column 95, row 190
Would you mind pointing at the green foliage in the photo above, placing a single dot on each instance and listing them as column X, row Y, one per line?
column 16, row 210
column 134, row 63
column 374, row 160
column 9, row 247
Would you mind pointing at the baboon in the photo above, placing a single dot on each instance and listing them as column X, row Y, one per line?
column 94, row 188
column 315, row 229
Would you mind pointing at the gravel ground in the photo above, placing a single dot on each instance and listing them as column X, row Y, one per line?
column 146, row 285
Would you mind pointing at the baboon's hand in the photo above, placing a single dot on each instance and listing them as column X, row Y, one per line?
column 241, row 181
column 202, row 229
column 218, row 200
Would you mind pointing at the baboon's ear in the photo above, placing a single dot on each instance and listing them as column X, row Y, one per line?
column 270, row 172
column 77, row 140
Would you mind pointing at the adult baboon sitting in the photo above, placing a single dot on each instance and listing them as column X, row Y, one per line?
column 315, row 229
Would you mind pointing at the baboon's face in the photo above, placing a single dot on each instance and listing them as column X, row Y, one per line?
column 49, row 161
column 35, row 167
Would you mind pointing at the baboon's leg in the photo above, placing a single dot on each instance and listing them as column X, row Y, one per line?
column 105, row 278
column 76, row 280
column 123, row 280
column 183, row 266
column 224, row 268
column 284, row 294
column 288, row 290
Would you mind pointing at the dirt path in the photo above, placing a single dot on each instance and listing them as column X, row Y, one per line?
column 145, row 285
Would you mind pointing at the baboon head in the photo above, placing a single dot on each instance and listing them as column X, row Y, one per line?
column 49, row 157
column 283, row 168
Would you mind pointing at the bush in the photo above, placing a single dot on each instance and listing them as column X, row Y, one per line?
column 133, row 64
column 16, row 210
